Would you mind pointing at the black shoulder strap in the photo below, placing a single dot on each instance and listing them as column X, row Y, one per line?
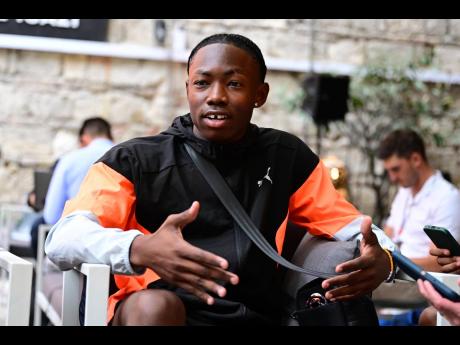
column 233, row 206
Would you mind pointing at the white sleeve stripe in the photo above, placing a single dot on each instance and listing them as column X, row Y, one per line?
column 349, row 231
column 353, row 230
column 79, row 238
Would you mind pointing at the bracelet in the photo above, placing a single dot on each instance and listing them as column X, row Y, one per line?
column 392, row 274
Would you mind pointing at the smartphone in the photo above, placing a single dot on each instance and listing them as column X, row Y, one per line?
column 416, row 272
column 442, row 238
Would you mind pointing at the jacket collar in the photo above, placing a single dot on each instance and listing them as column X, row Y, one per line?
column 182, row 127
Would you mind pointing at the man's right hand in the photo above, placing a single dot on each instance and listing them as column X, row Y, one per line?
column 448, row 263
column 178, row 262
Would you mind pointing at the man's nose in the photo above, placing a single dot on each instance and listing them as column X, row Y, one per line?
column 217, row 95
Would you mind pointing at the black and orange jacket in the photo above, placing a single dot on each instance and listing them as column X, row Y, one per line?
column 274, row 175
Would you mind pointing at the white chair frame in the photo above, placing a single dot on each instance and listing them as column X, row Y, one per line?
column 42, row 302
column 19, row 288
column 97, row 292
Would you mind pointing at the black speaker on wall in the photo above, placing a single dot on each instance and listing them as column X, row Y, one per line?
column 326, row 97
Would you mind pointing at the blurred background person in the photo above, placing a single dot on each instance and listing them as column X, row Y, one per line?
column 95, row 138
column 424, row 197
column 67, row 173
column 63, row 143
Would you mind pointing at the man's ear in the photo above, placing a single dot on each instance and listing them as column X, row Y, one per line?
column 186, row 87
column 85, row 140
column 262, row 94
column 416, row 159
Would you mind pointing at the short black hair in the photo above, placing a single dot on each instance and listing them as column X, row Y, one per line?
column 238, row 41
column 402, row 142
column 96, row 127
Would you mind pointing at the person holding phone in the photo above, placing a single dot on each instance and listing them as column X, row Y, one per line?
column 449, row 309
column 424, row 197
column 449, row 263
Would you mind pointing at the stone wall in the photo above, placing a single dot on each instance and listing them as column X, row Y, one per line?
column 43, row 95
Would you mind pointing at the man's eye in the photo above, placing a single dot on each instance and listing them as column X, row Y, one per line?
column 234, row 83
column 200, row 83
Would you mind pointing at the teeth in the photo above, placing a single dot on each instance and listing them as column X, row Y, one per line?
column 217, row 117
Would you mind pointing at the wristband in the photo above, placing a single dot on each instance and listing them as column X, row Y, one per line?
column 391, row 276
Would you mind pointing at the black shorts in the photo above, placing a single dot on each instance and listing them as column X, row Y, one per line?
column 198, row 313
column 222, row 312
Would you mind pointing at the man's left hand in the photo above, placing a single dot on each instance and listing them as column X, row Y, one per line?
column 363, row 274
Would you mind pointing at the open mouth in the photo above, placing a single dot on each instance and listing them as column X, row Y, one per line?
column 216, row 120
column 216, row 117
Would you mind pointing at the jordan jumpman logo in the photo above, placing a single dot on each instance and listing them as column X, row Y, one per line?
column 259, row 183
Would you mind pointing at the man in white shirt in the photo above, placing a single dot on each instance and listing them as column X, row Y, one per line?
column 424, row 197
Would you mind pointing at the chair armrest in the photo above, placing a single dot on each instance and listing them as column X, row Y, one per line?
column 42, row 300
column 97, row 293
column 19, row 288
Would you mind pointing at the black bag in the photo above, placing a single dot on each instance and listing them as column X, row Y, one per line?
column 314, row 257
column 305, row 304
column 312, row 309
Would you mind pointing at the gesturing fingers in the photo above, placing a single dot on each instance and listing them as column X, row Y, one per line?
column 369, row 238
column 199, row 272
column 200, row 286
column 203, row 257
column 344, row 293
column 360, row 262
column 180, row 220
column 343, row 279
column 206, row 272
column 199, row 280
column 199, row 292
column 349, row 285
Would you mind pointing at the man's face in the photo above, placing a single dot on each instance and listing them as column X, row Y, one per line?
column 402, row 171
column 222, row 89
column 85, row 139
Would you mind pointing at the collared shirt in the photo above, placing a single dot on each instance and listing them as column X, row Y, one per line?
column 69, row 174
column 437, row 203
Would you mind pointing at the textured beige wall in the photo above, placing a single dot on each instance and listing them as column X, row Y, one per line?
column 44, row 94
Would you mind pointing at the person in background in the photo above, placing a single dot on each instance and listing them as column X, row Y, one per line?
column 68, row 171
column 95, row 138
column 63, row 143
column 424, row 197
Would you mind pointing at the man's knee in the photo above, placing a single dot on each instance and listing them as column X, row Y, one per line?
column 428, row 317
column 151, row 307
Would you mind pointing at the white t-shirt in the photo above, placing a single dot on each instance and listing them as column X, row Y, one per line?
column 437, row 203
